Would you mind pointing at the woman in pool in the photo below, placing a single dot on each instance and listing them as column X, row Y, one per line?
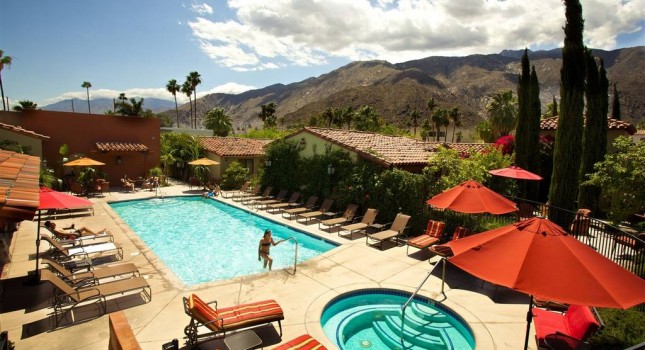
column 265, row 247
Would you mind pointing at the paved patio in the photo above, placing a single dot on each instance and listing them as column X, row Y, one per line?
column 496, row 315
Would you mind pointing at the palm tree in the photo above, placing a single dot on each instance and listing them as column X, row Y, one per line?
column 431, row 105
column 217, row 120
column 120, row 106
column 414, row 117
column 439, row 118
column 267, row 115
column 87, row 85
column 328, row 115
column 195, row 79
column 4, row 61
column 348, row 116
column 173, row 88
column 455, row 116
column 503, row 112
column 187, row 89
column 24, row 105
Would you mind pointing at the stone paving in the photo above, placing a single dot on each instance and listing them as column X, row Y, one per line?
column 496, row 315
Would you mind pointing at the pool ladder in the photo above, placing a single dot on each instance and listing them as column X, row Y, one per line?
column 410, row 299
column 295, row 258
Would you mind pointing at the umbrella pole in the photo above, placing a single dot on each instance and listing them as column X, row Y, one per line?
column 529, row 318
column 36, row 277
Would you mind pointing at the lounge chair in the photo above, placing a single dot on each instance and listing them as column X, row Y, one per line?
column 578, row 322
column 67, row 296
column 94, row 275
column 303, row 342
column 265, row 195
column 86, row 239
column 396, row 229
column 60, row 253
column 307, row 206
column 220, row 321
column 255, row 191
column 445, row 251
column 348, row 216
column 366, row 221
column 292, row 202
column 430, row 237
column 234, row 193
column 323, row 210
column 261, row 204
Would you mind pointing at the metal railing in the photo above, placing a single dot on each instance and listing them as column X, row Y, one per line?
column 295, row 258
column 405, row 306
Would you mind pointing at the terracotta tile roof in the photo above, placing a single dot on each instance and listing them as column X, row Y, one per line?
column 19, row 175
column 22, row 131
column 640, row 132
column 386, row 150
column 613, row 124
column 469, row 147
column 121, row 146
column 234, row 146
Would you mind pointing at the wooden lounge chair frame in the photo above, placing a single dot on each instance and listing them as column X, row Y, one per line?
column 348, row 216
column 60, row 253
column 92, row 276
column 211, row 318
column 307, row 206
column 66, row 298
column 366, row 221
column 397, row 228
column 324, row 208
column 432, row 236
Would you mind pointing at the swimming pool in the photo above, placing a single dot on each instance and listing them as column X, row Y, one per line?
column 204, row 240
column 371, row 319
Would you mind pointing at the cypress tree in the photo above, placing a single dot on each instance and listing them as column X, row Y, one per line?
column 522, row 130
column 615, row 110
column 594, row 141
column 604, row 90
column 533, row 187
column 555, row 112
column 568, row 139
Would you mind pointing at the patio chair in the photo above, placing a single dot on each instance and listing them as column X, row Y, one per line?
column 66, row 298
column 220, row 321
column 307, row 206
column 323, row 210
column 430, row 237
column 348, row 216
column 265, row 195
column 233, row 193
column 77, row 189
column 292, row 202
column 303, row 342
column 444, row 251
column 93, row 276
column 61, row 236
column 194, row 181
column 105, row 188
column 249, row 193
column 262, row 204
column 581, row 223
column 127, row 186
column 578, row 322
column 397, row 228
column 366, row 221
column 637, row 242
column 60, row 253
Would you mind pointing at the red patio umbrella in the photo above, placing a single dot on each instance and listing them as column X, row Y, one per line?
column 472, row 197
column 50, row 199
column 515, row 172
column 539, row 258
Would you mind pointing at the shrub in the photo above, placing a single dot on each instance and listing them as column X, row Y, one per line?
column 234, row 176
column 623, row 328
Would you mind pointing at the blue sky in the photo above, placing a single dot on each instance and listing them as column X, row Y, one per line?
column 137, row 46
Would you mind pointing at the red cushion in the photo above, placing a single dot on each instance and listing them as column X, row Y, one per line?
column 303, row 342
column 235, row 317
column 435, row 228
column 422, row 241
column 578, row 322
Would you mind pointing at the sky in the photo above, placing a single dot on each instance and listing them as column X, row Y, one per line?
column 136, row 46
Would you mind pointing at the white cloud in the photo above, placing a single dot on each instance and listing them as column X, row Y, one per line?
column 202, row 9
column 271, row 34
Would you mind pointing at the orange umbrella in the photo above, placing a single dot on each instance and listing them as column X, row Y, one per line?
column 515, row 172
column 84, row 162
column 472, row 197
column 203, row 161
column 539, row 258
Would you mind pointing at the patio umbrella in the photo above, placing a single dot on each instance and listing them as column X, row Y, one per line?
column 539, row 258
column 203, row 161
column 84, row 162
column 50, row 199
column 472, row 197
column 515, row 172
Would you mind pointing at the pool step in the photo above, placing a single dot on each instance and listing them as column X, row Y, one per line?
column 412, row 339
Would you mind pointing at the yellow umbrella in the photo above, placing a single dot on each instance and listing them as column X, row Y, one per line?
column 203, row 161
column 84, row 162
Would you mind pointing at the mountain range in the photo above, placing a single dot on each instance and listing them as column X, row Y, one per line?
column 101, row 105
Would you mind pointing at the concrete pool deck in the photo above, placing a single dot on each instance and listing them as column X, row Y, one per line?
column 496, row 315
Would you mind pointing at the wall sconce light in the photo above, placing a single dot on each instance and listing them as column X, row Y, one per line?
column 44, row 163
column 303, row 142
column 267, row 162
column 330, row 169
column 119, row 160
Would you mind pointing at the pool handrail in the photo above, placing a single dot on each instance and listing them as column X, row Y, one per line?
column 410, row 299
column 295, row 259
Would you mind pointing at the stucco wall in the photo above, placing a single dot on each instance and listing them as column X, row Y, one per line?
column 81, row 131
column 34, row 143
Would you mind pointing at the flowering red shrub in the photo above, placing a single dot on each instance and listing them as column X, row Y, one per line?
column 506, row 143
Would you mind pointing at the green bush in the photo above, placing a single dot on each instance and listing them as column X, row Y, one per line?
column 623, row 328
column 234, row 176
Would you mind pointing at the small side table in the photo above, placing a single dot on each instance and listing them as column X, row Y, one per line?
column 243, row 340
column 376, row 227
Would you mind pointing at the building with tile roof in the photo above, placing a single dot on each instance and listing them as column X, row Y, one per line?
column 19, row 198
column 639, row 135
column 617, row 128
column 388, row 151
column 24, row 137
column 225, row 150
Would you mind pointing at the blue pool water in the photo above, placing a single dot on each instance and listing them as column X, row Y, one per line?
column 203, row 240
column 371, row 319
